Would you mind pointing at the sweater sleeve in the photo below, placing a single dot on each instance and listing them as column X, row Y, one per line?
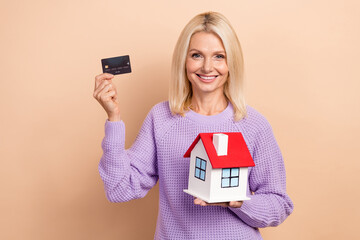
column 269, row 205
column 128, row 174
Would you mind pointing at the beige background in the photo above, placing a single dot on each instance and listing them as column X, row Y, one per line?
column 302, row 73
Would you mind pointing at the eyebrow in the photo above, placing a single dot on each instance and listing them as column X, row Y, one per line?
column 196, row 50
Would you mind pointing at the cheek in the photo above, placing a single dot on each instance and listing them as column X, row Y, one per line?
column 223, row 69
column 191, row 66
column 189, row 69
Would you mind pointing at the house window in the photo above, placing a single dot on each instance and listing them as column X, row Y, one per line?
column 230, row 177
column 200, row 168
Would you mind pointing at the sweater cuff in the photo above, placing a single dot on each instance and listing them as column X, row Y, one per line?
column 244, row 207
column 115, row 131
column 244, row 211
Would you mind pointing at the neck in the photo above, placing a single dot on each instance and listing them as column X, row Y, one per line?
column 208, row 105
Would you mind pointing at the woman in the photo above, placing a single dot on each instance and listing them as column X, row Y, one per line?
column 205, row 96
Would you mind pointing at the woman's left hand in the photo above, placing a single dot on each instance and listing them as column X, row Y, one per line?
column 233, row 204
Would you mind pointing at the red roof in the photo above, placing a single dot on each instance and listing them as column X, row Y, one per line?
column 238, row 153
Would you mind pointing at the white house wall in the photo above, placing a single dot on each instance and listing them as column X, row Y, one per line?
column 200, row 187
column 219, row 194
column 243, row 179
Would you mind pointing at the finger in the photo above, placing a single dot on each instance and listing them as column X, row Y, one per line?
column 115, row 97
column 102, row 92
column 200, row 202
column 235, row 204
column 223, row 204
column 102, row 86
column 107, row 96
column 99, row 78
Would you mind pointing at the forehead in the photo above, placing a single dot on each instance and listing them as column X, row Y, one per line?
column 206, row 41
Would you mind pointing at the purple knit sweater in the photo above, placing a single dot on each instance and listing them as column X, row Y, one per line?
column 157, row 155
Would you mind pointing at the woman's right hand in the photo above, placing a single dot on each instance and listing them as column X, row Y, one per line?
column 105, row 93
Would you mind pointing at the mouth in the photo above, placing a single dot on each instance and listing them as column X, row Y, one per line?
column 206, row 78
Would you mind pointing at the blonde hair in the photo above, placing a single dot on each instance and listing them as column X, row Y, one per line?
column 180, row 91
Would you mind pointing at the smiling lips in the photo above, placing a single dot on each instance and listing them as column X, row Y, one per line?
column 206, row 78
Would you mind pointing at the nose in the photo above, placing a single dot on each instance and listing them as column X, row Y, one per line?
column 207, row 65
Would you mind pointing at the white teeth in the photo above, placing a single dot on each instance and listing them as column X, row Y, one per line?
column 207, row 78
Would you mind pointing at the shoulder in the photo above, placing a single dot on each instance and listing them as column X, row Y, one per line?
column 255, row 118
column 161, row 109
column 254, row 123
column 162, row 118
column 161, row 112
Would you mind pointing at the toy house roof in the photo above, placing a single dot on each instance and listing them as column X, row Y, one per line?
column 238, row 153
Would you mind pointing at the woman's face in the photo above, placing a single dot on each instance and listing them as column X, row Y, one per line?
column 206, row 65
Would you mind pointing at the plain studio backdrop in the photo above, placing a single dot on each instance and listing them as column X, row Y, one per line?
column 302, row 73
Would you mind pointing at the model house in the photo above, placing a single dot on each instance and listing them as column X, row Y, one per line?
column 219, row 167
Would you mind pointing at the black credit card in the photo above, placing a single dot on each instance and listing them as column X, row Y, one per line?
column 116, row 65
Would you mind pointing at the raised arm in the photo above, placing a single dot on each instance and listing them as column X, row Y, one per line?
column 127, row 174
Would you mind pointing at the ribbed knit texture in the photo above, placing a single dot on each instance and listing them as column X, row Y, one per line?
column 157, row 155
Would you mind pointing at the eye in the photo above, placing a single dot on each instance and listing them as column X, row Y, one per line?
column 220, row 56
column 195, row 55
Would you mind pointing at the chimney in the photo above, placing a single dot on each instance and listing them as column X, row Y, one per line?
column 220, row 142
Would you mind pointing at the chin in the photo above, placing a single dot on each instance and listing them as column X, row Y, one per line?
column 206, row 87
